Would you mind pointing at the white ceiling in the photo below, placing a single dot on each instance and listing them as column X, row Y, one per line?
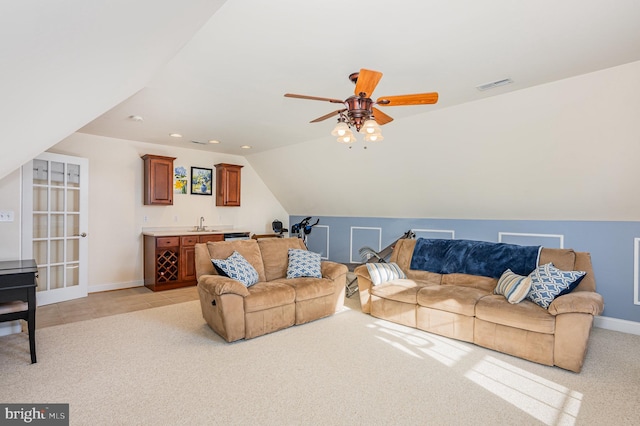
column 228, row 82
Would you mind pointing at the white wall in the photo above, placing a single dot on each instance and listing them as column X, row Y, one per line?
column 566, row 150
column 10, row 201
column 116, row 210
column 65, row 63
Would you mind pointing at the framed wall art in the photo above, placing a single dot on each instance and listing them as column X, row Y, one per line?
column 201, row 181
column 180, row 180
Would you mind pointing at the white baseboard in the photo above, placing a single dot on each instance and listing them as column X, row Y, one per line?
column 114, row 286
column 616, row 324
column 10, row 327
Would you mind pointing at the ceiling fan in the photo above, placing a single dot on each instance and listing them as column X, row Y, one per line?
column 359, row 110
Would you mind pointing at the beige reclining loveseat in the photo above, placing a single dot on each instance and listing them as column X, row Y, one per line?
column 463, row 307
column 236, row 311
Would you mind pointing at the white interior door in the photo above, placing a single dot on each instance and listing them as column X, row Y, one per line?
column 55, row 225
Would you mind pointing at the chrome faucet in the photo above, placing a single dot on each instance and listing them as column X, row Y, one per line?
column 201, row 228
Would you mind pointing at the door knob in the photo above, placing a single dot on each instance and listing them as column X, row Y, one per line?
column 84, row 234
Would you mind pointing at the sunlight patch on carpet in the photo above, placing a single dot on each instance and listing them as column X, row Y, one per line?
column 547, row 401
column 418, row 343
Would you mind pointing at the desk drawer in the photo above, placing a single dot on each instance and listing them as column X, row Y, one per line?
column 168, row 242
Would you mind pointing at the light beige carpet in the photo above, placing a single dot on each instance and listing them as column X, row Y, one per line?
column 164, row 366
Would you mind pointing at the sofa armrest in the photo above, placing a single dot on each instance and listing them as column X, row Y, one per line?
column 585, row 302
column 332, row 270
column 364, row 287
column 219, row 285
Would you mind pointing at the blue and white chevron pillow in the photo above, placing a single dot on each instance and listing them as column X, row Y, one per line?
column 303, row 263
column 238, row 268
column 549, row 282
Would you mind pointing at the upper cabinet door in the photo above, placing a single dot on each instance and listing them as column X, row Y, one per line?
column 158, row 180
column 228, row 184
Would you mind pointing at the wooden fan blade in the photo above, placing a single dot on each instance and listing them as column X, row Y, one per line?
column 415, row 99
column 313, row 98
column 331, row 114
column 367, row 82
column 380, row 117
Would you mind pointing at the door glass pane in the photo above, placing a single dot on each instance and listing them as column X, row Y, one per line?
column 57, row 225
column 42, row 278
column 73, row 250
column 39, row 199
column 57, row 173
column 73, row 200
column 40, row 252
column 40, row 172
column 57, row 251
column 57, row 277
column 72, row 275
column 57, row 199
column 73, row 175
column 73, row 225
column 40, row 226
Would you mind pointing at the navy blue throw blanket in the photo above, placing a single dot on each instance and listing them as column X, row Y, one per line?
column 473, row 257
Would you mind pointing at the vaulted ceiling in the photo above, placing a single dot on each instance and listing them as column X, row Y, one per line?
column 227, row 83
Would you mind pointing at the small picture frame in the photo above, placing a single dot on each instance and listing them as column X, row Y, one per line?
column 201, row 181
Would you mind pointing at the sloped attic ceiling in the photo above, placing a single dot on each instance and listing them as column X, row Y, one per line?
column 65, row 63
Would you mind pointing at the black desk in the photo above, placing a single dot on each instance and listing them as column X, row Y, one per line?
column 18, row 283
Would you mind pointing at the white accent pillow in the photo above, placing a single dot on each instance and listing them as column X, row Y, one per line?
column 383, row 272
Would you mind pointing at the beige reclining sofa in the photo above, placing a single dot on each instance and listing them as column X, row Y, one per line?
column 464, row 307
column 236, row 311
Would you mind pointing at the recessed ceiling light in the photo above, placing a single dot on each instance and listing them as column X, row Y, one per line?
column 245, row 147
column 175, row 135
column 136, row 118
column 214, row 141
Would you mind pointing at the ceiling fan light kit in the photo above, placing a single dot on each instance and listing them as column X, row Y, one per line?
column 359, row 111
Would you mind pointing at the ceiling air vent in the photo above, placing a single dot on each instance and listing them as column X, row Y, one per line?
column 493, row 84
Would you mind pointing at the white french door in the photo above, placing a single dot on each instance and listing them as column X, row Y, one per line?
column 55, row 225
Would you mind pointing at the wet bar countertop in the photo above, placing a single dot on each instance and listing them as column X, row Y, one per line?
column 191, row 230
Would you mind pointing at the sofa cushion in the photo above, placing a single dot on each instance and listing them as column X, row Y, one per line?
column 303, row 263
column 466, row 280
column 451, row 298
column 266, row 295
column 513, row 287
column 309, row 288
column 249, row 249
column 400, row 290
column 383, row 272
column 237, row 268
column 275, row 255
column 525, row 315
column 549, row 282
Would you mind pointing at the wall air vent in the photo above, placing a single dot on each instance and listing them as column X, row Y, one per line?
column 493, row 84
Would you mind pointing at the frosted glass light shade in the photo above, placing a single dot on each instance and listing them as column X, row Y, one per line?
column 370, row 126
column 341, row 129
column 373, row 137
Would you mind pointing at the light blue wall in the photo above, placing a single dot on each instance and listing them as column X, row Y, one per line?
column 611, row 245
